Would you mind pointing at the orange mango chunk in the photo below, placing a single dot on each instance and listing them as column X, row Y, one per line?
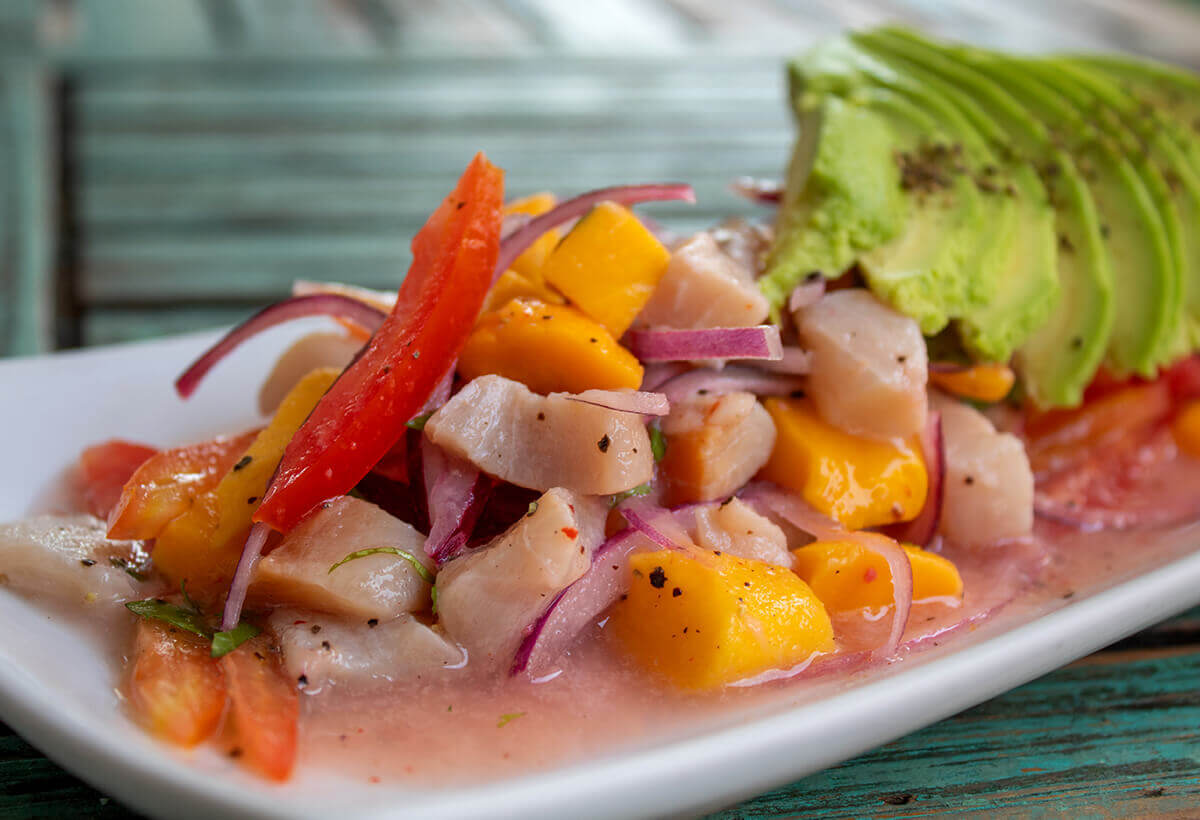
column 530, row 263
column 704, row 620
column 512, row 285
column 608, row 266
column 548, row 348
column 847, row 576
column 203, row 545
column 857, row 481
column 982, row 382
column 1186, row 429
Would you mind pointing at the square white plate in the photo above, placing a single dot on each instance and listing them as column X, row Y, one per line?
column 57, row 688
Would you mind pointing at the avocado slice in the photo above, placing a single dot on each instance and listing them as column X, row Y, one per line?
column 1142, row 224
column 1029, row 279
column 1061, row 357
column 952, row 227
column 1176, row 155
column 842, row 197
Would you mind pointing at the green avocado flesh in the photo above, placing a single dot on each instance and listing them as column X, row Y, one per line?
column 1046, row 209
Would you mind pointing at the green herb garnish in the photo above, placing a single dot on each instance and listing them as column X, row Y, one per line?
column 187, row 599
column 133, row 572
column 532, row 508
column 159, row 610
column 420, row 568
column 508, row 718
column 433, row 597
column 639, row 490
column 225, row 642
column 658, row 444
column 418, row 422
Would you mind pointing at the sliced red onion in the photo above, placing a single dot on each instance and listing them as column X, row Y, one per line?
column 381, row 299
column 659, row 373
column 729, row 380
column 768, row 497
column 455, row 492
column 298, row 307
column 762, row 191
column 944, row 632
column 656, row 523
column 513, row 223
column 796, row 361
column 578, row 606
column 920, row 530
column 808, row 292
column 520, row 240
column 670, row 344
column 441, row 393
column 247, row 564
column 624, row 401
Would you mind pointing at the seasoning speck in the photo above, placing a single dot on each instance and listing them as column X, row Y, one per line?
column 87, row 562
column 676, row 592
column 316, row 628
column 658, row 578
column 373, row 622
column 302, row 681
column 243, row 463
column 603, row 443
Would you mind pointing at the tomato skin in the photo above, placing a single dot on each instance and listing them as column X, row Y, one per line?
column 264, row 709
column 176, row 688
column 165, row 485
column 365, row 412
column 104, row 469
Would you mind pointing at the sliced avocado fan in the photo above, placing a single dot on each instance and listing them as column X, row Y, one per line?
column 1091, row 253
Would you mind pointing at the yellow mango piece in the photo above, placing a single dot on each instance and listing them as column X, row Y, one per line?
column 847, row 576
column 549, row 348
column 512, row 285
column 203, row 545
column 983, row 382
column 704, row 620
column 857, row 481
column 1186, row 429
column 530, row 262
column 608, row 266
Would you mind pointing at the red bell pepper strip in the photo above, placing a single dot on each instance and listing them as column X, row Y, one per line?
column 364, row 414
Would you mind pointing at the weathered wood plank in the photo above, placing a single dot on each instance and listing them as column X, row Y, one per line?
column 26, row 191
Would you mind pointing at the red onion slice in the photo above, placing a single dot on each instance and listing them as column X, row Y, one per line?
column 670, row 344
column 624, row 401
column 762, row 191
column 794, row 509
column 729, row 380
column 920, row 530
column 659, row 373
column 578, row 606
column 381, row 299
column 656, row 523
column 247, row 564
column 808, row 292
column 298, row 307
column 519, row 241
column 455, row 492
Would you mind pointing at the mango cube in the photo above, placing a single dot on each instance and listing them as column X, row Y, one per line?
column 608, row 266
column 982, row 382
column 704, row 619
column 513, row 285
column 857, row 481
column 1186, row 429
column 847, row 576
column 549, row 348
column 530, row 263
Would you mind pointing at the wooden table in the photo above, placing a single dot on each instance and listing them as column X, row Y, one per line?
column 170, row 164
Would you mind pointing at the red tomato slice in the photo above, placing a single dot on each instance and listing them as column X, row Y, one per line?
column 165, row 485
column 176, row 688
column 105, row 468
column 264, row 709
column 364, row 413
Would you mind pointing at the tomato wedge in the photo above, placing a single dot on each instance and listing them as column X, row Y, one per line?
column 166, row 484
column 176, row 688
column 264, row 709
column 364, row 414
column 105, row 468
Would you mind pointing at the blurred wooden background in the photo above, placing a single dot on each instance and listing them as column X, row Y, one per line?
column 167, row 165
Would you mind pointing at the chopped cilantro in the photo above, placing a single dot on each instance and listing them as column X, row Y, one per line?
column 225, row 642
column 420, row 568
column 639, row 490
column 418, row 422
column 658, row 444
column 133, row 572
column 187, row 599
column 508, row 718
column 160, row 610
column 532, row 508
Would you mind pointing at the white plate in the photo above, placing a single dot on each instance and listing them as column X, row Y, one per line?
column 57, row 688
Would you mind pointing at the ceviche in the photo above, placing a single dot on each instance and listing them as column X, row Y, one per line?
column 578, row 460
